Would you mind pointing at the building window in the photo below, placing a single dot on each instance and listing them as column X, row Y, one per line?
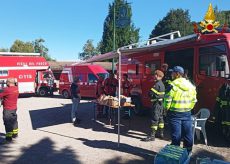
column 3, row 73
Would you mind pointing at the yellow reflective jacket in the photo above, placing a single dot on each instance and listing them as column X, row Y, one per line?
column 181, row 97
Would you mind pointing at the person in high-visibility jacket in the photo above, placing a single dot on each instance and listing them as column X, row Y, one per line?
column 179, row 100
column 157, row 94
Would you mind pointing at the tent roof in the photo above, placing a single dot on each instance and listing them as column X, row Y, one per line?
column 136, row 48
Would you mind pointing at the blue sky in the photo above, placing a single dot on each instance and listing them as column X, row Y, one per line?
column 66, row 25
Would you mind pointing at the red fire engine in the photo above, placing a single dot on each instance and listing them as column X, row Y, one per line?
column 204, row 55
column 31, row 71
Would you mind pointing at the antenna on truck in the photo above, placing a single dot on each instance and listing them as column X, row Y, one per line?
column 18, row 54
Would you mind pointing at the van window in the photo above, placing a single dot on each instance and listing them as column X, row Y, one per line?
column 92, row 78
column 4, row 73
column 151, row 66
column 208, row 59
column 81, row 77
column 104, row 75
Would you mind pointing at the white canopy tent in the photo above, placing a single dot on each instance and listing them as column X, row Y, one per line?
column 149, row 45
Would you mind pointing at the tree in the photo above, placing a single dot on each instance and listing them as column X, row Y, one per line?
column 223, row 17
column 175, row 20
column 40, row 48
column 88, row 50
column 20, row 46
column 125, row 31
column 4, row 50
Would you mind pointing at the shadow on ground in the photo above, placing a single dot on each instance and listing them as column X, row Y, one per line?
column 41, row 152
column 50, row 116
column 136, row 127
column 146, row 155
column 201, row 154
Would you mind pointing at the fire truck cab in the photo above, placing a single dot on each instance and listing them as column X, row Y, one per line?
column 30, row 70
column 88, row 74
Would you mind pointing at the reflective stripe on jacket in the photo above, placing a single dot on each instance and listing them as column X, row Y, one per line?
column 181, row 97
column 157, row 91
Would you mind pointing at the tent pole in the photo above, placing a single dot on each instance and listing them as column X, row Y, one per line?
column 119, row 93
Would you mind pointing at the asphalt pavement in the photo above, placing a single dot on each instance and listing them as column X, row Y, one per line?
column 46, row 135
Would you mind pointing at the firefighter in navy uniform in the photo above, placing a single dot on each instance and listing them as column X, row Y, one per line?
column 9, row 98
column 157, row 94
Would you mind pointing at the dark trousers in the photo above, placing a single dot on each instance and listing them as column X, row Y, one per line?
column 10, row 122
column 100, row 109
column 181, row 127
column 157, row 115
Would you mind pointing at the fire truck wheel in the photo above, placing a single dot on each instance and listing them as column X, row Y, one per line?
column 65, row 94
column 137, row 103
column 42, row 92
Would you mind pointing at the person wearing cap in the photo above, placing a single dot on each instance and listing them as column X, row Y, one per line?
column 9, row 97
column 157, row 94
column 76, row 97
column 179, row 100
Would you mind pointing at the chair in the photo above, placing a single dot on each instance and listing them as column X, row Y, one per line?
column 199, row 121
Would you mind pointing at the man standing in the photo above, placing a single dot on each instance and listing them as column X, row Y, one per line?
column 167, row 74
column 179, row 100
column 76, row 97
column 50, row 82
column 111, row 84
column 126, row 86
column 157, row 94
column 9, row 98
column 99, row 92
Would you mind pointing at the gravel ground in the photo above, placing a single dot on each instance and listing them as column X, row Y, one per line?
column 47, row 136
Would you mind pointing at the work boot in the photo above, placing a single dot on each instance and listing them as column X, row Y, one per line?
column 150, row 137
column 7, row 140
column 76, row 122
column 161, row 136
column 14, row 135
